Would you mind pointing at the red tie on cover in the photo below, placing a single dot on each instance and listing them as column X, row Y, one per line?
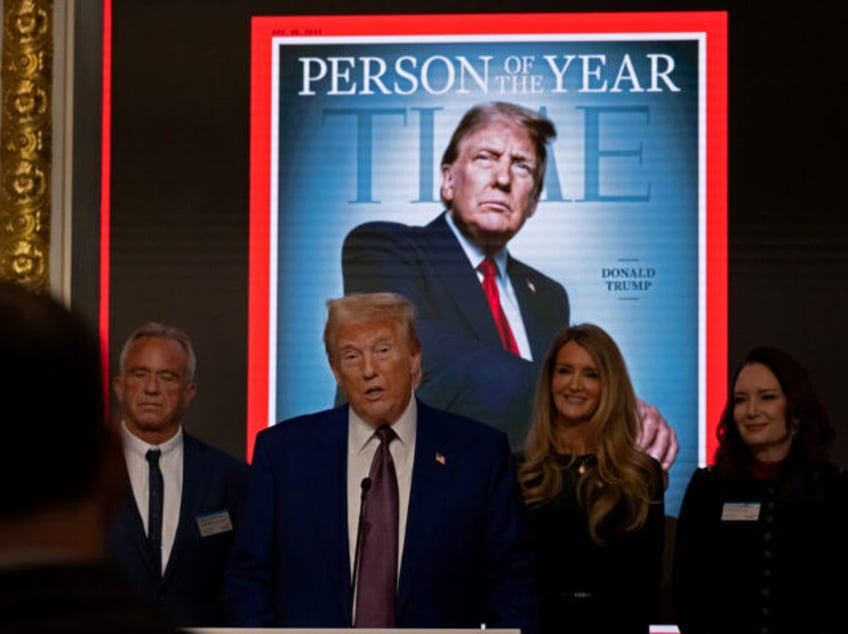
column 375, row 594
column 490, row 286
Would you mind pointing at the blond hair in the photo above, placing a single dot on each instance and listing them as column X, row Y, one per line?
column 623, row 475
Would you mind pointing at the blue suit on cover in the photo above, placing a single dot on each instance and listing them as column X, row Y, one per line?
column 466, row 557
column 190, row 588
column 466, row 369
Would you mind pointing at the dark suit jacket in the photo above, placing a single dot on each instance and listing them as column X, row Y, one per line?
column 74, row 599
column 781, row 570
column 189, row 590
column 466, row 370
column 466, row 557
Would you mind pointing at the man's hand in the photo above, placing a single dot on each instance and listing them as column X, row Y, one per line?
column 656, row 437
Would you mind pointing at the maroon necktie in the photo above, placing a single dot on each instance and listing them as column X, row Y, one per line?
column 375, row 594
column 490, row 286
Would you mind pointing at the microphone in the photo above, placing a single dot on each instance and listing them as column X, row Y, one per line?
column 366, row 486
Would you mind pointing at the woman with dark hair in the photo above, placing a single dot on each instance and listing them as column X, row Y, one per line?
column 596, row 502
column 760, row 544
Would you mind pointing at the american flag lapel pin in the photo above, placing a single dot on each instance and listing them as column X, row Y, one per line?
column 440, row 458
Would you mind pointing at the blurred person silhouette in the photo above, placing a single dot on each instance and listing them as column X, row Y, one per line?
column 61, row 480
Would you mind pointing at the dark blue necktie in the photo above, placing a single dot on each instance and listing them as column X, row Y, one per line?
column 378, row 564
column 154, row 510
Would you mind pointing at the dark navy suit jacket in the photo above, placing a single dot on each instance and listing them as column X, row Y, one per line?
column 190, row 588
column 466, row 370
column 466, row 557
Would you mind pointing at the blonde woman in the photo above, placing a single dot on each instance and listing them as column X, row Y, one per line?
column 595, row 500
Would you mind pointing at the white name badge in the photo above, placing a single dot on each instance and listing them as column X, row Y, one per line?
column 740, row 512
column 214, row 523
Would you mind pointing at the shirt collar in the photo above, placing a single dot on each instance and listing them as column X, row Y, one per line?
column 135, row 445
column 405, row 427
column 474, row 254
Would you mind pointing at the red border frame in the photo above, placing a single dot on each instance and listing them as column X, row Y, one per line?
column 260, row 241
column 105, row 196
column 713, row 24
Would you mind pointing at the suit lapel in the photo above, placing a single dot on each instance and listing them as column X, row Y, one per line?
column 426, row 499
column 460, row 281
column 133, row 529
column 531, row 305
column 326, row 479
column 193, row 477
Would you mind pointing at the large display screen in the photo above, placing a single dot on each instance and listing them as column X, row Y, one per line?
column 351, row 114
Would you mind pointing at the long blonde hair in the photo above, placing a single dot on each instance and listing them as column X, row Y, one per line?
column 623, row 475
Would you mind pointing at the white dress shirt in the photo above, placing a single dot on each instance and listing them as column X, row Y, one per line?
column 171, row 465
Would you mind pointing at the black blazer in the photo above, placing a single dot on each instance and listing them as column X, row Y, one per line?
column 777, row 563
column 190, row 588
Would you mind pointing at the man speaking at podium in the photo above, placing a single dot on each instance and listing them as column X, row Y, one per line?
column 383, row 512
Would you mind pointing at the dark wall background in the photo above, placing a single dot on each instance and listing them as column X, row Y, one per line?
column 180, row 116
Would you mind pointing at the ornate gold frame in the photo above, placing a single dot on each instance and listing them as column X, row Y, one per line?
column 26, row 138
